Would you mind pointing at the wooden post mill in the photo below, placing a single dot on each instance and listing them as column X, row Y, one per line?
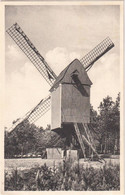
column 69, row 97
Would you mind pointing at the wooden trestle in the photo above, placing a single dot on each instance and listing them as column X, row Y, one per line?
column 81, row 130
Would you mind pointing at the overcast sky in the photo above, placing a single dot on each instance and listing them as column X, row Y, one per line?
column 61, row 34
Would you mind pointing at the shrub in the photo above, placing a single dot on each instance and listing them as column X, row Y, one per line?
column 67, row 176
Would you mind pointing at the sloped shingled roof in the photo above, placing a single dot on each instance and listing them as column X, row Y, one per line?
column 62, row 75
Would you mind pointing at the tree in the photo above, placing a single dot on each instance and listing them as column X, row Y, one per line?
column 27, row 138
column 108, row 124
column 105, row 130
column 21, row 140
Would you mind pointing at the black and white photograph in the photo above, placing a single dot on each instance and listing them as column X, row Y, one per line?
column 62, row 96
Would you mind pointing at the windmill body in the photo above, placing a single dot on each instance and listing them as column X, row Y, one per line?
column 70, row 96
column 69, row 93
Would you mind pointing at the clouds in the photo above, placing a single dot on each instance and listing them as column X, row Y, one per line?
column 61, row 34
column 59, row 58
column 25, row 87
column 12, row 52
column 105, row 75
column 66, row 26
column 23, row 91
column 14, row 59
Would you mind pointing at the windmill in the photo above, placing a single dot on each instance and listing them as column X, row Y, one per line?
column 69, row 97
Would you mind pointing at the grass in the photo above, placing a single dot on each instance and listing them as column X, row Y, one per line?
column 26, row 163
column 66, row 176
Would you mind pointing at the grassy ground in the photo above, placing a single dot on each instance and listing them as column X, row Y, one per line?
column 78, row 176
column 28, row 163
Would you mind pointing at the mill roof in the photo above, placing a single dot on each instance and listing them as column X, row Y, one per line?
column 65, row 75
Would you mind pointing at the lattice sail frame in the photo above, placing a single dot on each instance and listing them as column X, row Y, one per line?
column 17, row 34
column 42, row 107
column 89, row 59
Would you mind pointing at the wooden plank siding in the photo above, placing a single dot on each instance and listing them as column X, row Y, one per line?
column 56, row 108
column 75, row 106
column 71, row 103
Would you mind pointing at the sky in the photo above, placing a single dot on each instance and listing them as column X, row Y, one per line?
column 61, row 33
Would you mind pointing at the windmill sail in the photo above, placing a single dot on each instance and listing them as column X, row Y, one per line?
column 32, row 53
column 89, row 59
column 40, row 109
column 21, row 39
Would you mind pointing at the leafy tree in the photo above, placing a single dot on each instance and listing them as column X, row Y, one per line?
column 21, row 139
column 108, row 124
column 104, row 125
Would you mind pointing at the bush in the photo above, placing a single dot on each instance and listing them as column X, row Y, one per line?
column 66, row 176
